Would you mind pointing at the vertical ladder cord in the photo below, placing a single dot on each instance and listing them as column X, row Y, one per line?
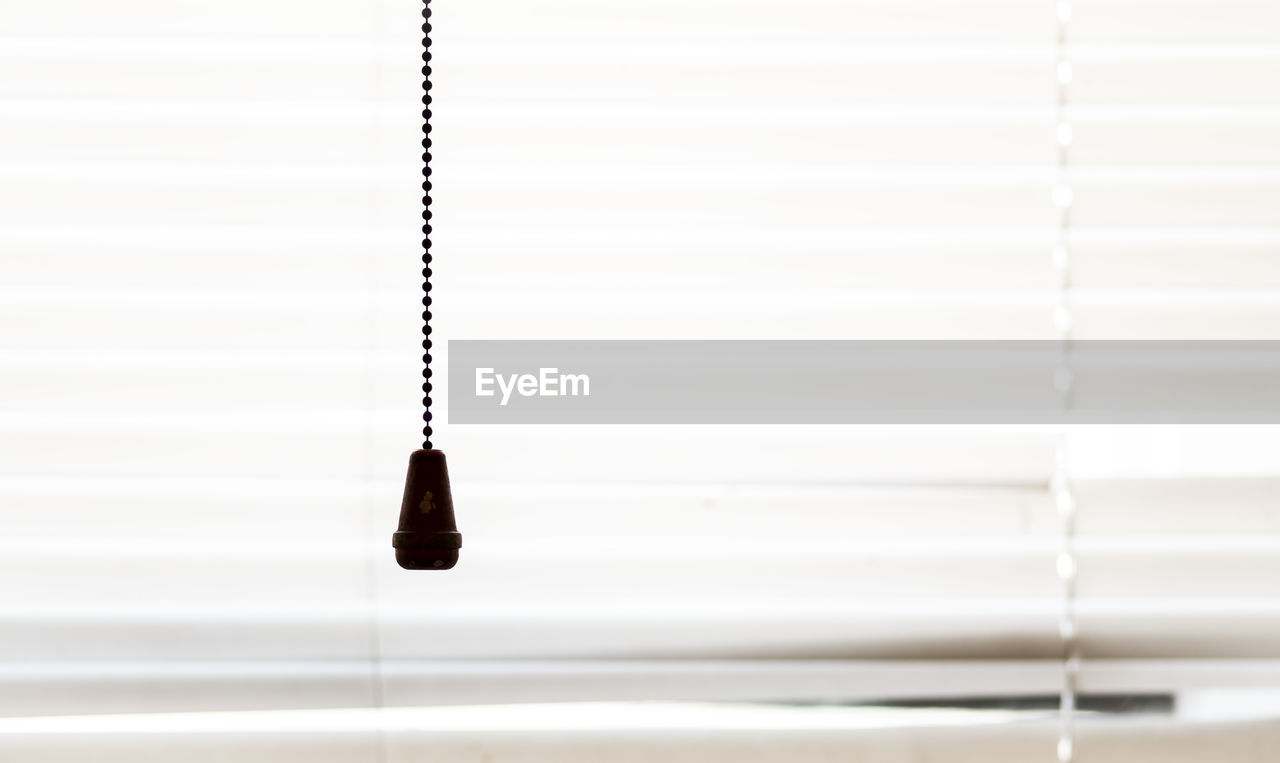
column 1060, row 484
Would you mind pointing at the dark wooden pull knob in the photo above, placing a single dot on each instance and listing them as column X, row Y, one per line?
column 428, row 538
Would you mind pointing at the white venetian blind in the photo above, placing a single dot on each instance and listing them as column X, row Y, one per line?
column 209, row 369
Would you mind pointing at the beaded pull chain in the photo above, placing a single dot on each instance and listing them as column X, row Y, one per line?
column 428, row 537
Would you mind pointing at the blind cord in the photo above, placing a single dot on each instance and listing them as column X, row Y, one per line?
column 426, row 225
column 428, row 537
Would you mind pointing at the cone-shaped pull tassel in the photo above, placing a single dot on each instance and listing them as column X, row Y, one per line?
column 428, row 538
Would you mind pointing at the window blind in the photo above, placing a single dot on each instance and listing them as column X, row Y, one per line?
column 209, row 353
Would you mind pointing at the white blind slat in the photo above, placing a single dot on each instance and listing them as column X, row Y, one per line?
column 625, row 732
column 63, row 688
column 988, row 21
column 237, row 19
column 154, row 131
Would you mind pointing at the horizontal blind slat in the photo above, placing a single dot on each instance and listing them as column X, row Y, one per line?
column 290, row 134
column 43, row 259
column 1175, row 21
column 622, row 731
column 307, row 446
column 650, row 73
column 1138, row 136
column 986, row 21
column 950, row 200
column 229, row 72
column 418, row 628
column 726, row 257
column 729, row 257
column 728, row 138
column 674, row 570
column 301, row 325
column 204, row 19
column 677, row 571
column 64, row 689
column 349, row 202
